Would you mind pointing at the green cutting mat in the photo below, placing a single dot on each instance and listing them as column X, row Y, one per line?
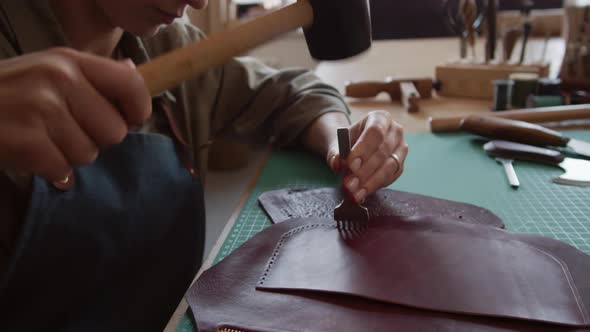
column 452, row 166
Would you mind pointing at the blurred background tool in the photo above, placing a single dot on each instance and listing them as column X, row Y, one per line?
column 548, row 93
column 527, row 6
column 534, row 115
column 349, row 215
column 575, row 69
column 465, row 17
column 535, row 101
column 580, row 97
column 491, row 29
column 525, row 84
column 509, row 170
column 475, row 80
column 502, row 95
column 547, row 86
column 509, row 41
column 391, row 86
column 407, row 90
column 410, row 97
column 522, row 132
column 469, row 11
column 576, row 170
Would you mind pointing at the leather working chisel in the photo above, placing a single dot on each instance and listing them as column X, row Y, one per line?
column 522, row 132
column 349, row 215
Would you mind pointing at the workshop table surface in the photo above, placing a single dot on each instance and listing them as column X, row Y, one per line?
column 449, row 166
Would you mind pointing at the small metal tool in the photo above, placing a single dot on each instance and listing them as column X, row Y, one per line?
column 491, row 32
column 349, row 215
column 527, row 6
column 510, row 173
column 465, row 17
column 576, row 170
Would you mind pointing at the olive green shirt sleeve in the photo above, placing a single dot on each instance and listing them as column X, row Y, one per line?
column 261, row 102
column 248, row 100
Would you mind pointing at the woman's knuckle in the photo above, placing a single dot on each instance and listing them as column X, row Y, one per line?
column 48, row 103
column 58, row 69
column 115, row 135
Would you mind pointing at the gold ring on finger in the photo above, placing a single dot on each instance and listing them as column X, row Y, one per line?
column 398, row 162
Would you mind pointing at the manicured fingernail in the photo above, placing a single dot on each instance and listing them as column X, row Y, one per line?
column 356, row 165
column 353, row 184
column 360, row 196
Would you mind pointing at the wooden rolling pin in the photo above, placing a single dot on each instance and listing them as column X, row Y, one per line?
column 534, row 115
column 168, row 70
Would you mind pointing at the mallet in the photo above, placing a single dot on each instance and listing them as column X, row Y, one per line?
column 333, row 30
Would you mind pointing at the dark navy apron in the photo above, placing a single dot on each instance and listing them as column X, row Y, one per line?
column 116, row 252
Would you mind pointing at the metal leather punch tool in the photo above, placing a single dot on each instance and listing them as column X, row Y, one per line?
column 349, row 215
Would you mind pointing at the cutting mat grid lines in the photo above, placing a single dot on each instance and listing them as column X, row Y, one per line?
column 451, row 166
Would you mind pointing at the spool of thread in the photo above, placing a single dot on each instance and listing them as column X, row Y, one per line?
column 534, row 101
column 502, row 94
column 580, row 97
column 524, row 85
column 548, row 87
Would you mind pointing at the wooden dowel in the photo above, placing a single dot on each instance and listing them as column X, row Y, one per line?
column 410, row 97
column 168, row 70
column 535, row 115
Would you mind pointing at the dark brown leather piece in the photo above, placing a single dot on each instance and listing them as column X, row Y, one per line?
column 281, row 205
column 398, row 266
column 226, row 295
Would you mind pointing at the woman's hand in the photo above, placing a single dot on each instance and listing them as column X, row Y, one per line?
column 377, row 155
column 59, row 107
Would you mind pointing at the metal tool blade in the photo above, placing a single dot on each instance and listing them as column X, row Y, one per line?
column 580, row 147
column 509, row 170
column 577, row 172
column 349, row 215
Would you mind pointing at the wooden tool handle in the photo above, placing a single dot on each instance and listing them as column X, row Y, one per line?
column 469, row 12
column 509, row 41
column 370, row 89
column 512, row 130
column 511, row 150
column 410, row 97
column 168, row 70
column 542, row 114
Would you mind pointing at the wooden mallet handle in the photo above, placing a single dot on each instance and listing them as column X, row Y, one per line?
column 168, row 70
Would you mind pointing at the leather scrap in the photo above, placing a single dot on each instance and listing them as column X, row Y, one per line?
column 226, row 295
column 285, row 204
